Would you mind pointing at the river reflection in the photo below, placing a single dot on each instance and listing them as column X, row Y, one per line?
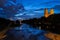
column 25, row 32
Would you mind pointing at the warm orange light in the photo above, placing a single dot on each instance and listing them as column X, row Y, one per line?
column 51, row 11
column 46, row 14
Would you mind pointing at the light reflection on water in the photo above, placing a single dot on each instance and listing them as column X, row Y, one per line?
column 26, row 33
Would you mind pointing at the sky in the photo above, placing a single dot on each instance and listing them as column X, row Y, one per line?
column 35, row 4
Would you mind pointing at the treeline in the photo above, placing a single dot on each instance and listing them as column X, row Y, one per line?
column 6, row 23
column 52, row 23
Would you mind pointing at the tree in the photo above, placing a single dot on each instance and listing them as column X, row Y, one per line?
column 51, row 23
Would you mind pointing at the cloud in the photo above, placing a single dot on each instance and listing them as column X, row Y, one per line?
column 33, row 4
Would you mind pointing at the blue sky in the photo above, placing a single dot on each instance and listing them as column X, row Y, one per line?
column 38, row 4
column 35, row 4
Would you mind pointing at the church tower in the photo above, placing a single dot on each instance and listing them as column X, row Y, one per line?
column 46, row 13
column 51, row 11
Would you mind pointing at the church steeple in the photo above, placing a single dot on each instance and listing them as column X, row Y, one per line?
column 51, row 11
column 46, row 13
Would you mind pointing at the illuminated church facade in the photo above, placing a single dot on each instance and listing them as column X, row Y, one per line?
column 46, row 13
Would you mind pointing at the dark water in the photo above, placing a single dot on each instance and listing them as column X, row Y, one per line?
column 26, row 33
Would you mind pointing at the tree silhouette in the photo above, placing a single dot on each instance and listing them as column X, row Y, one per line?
column 52, row 23
column 55, row 23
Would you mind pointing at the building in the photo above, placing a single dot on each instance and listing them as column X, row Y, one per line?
column 51, row 11
column 46, row 13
